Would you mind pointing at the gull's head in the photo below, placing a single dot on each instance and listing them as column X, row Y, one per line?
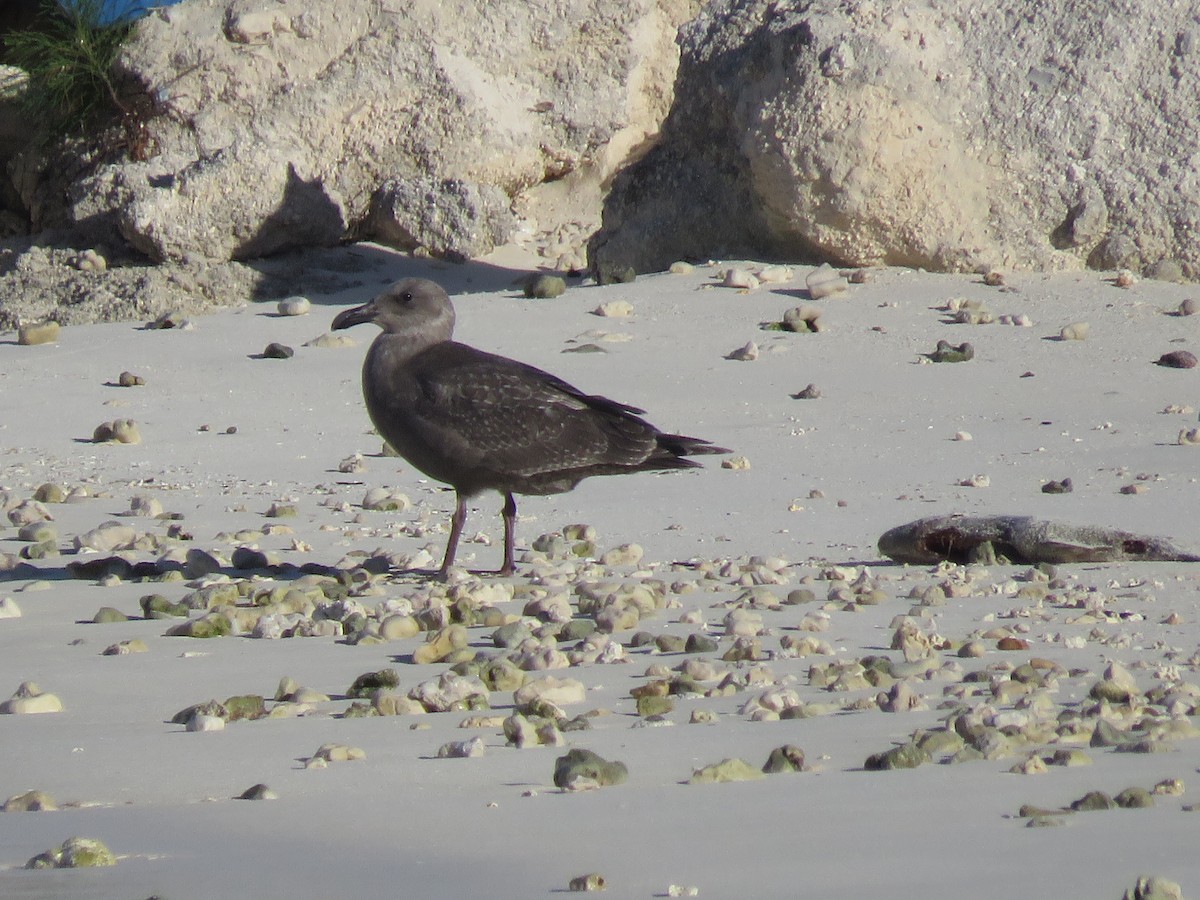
column 414, row 306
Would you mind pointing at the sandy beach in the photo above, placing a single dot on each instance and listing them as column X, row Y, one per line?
column 228, row 437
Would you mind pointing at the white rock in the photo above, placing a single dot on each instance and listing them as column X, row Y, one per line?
column 824, row 281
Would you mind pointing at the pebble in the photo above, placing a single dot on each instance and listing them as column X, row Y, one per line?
column 118, row 431
column 549, row 689
column 727, row 770
column 593, row 881
column 1076, row 331
column 1188, row 307
column 614, row 309
column 257, row 792
column 746, row 353
column 202, row 722
column 106, row 538
column 9, row 609
column 683, row 890
column 124, row 648
column 468, row 749
column 679, row 267
column 906, row 756
column 582, row 769
column 328, row 753
column 145, row 507
column 128, row 379
column 1177, row 359
column 30, row 801
column 545, row 287
column 29, row 699
column 788, row 758
column 1152, row 887
column 824, row 281
column 739, row 278
column 812, row 392
column 294, row 306
column 1058, row 487
column 1189, row 437
column 276, row 350
column 74, row 853
column 331, row 341
column 90, row 261
column 775, row 274
column 803, row 320
column 945, row 352
column 40, row 333
column 172, row 319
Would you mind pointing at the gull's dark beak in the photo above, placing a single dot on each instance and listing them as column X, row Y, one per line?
column 356, row 316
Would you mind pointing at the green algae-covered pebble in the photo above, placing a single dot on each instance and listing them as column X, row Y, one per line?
column 545, row 287
column 245, row 706
column 788, row 758
column 907, row 756
column 369, row 682
column 74, row 853
column 579, row 767
column 733, row 769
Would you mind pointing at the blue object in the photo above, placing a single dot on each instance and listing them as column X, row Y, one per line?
column 113, row 11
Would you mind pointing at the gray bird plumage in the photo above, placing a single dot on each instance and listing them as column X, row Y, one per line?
column 479, row 422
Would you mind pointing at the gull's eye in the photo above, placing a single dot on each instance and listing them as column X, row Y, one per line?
column 406, row 298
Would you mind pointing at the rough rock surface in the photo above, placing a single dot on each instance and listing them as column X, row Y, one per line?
column 279, row 121
column 946, row 134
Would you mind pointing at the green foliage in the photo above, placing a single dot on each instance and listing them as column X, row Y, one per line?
column 69, row 55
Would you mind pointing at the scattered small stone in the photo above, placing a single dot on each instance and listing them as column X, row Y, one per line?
column 812, row 392
column 733, row 769
column 1092, row 801
column 468, row 749
column 1058, row 487
column 74, row 853
column 824, row 281
column 294, row 306
column 1188, row 307
column 1133, row 489
column 328, row 753
column 1076, row 331
column 128, row 379
column 945, row 352
column 259, row 791
column 331, row 341
column 124, row 648
column 118, row 431
column 962, row 436
column 737, row 463
column 775, row 274
column 788, row 758
column 614, row 309
column 994, row 279
column 30, row 801
column 202, row 722
column 1177, row 359
column 679, row 267
column 1134, row 798
column 745, row 353
column 582, row 769
column 40, row 333
column 30, row 699
column 593, row 881
column 1154, row 888
column 1189, row 437
column 385, row 500
column 803, row 319
column 1169, row 787
column 906, row 756
column 172, row 319
column 1125, row 279
column 739, row 278
column 9, row 609
column 278, row 351
column 370, row 682
column 545, row 287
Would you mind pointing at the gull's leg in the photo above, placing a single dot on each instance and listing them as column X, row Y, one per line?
column 510, row 526
column 457, row 520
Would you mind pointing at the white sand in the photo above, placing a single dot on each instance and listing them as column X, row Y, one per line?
column 878, row 445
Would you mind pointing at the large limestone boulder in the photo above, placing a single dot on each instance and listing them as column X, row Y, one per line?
column 284, row 123
column 948, row 134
